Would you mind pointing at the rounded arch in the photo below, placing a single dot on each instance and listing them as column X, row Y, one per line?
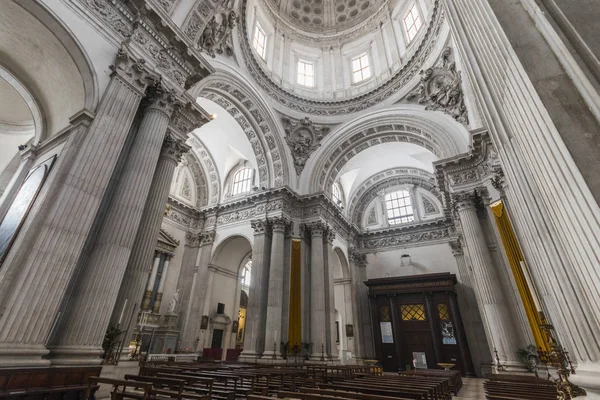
column 230, row 252
column 243, row 103
column 43, row 54
column 341, row 270
column 437, row 133
column 208, row 169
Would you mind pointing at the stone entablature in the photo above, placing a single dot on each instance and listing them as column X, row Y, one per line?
column 442, row 230
column 151, row 35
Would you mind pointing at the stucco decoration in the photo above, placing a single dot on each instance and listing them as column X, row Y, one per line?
column 372, row 218
column 441, row 89
column 303, row 138
column 216, row 36
column 429, row 206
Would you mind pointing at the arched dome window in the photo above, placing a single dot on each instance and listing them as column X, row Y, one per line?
column 259, row 41
column 412, row 22
column 242, row 181
column 245, row 275
column 336, row 195
column 399, row 207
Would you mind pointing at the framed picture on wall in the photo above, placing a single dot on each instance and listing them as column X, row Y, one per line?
column 204, row 322
column 235, row 326
column 349, row 330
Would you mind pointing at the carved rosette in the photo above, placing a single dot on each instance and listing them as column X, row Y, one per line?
column 260, row 226
column 279, row 224
column 192, row 239
column 173, row 148
column 207, row 238
column 441, row 89
column 303, row 138
column 133, row 71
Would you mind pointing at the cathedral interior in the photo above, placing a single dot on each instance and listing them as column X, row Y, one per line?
column 355, row 192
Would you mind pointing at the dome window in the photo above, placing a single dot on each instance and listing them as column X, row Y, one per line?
column 399, row 207
column 260, row 41
column 360, row 68
column 242, row 181
column 306, row 73
column 412, row 22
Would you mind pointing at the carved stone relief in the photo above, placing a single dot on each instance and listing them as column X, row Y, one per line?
column 441, row 89
column 303, row 138
column 429, row 206
column 216, row 36
column 372, row 218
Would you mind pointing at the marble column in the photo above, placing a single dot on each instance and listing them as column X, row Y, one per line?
column 331, row 342
column 81, row 331
column 190, row 338
column 498, row 321
column 254, row 338
column 32, row 296
column 161, row 286
column 318, row 320
column 150, row 286
column 285, row 304
column 186, row 277
column 206, row 307
column 362, row 325
column 275, row 288
column 142, row 253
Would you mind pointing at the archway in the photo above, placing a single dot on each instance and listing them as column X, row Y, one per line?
column 231, row 262
column 344, row 315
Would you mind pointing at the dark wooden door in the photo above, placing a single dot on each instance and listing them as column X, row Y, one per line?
column 217, row 339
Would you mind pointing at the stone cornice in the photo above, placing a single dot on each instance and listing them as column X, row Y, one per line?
column 349, row 106
column 438, row 231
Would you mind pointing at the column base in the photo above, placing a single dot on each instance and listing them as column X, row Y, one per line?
column 18, row 355
column 249, row 356
column 586, row 377
column 81, row 355
column 269, row 355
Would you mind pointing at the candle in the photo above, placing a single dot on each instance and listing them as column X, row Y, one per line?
column 122, row 312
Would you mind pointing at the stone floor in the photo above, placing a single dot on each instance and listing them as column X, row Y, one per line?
column 472, row 389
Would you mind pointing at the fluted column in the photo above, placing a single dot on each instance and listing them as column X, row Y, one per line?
column 318, row 319
column 331, row 340
column 81, row 332
column 498, row 322
column 190, row 338
column 360, row 302
column 186, row 277
column 254, row 338
column 149, row 287
column 206, row 307
column 32, row 295
column 275, row 290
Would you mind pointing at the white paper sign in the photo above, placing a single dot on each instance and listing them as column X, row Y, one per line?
column 386, row 332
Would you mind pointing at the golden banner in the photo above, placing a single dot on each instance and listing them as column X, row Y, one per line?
column 519, row 269
column 295, row 322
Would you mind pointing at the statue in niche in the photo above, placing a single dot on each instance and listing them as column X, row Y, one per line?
column 441, row 89
column 173, row 303
column 215, row 38
column 303, row 138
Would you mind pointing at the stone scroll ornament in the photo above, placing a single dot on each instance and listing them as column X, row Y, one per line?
column 216, row 36
column 440, row 89
column 303, row 138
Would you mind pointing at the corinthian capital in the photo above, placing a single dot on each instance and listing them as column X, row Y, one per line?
column 133, row 71
column 161, row 98
column 192, row 239
column 330, row 235
column 173, row 148
column 456, row 246
column 357, row 258
column 463, row 200
column 279, row 224
column 260, row 226
column 317, row 228
column 207, row 237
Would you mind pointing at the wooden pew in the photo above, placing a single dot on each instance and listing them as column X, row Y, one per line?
column 510, row 387
column 120, row 388
column 349, row 395
column 168, row 387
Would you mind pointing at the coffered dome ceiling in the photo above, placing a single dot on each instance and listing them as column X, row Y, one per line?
column 327, row 15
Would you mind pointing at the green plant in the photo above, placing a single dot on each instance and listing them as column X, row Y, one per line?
column 529, row 357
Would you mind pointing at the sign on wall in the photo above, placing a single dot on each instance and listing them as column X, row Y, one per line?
column 386, row 332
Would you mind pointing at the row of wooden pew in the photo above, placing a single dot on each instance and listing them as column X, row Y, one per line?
column 204, row 381
column 521, row 387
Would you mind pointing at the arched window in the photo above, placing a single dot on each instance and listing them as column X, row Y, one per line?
column 412, row 22
column 245, row 276
column 242, row 181
column 336, row 195
column 399, row 207
column 260, row 41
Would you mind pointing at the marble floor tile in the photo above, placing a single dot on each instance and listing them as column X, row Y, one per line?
column 472, row 389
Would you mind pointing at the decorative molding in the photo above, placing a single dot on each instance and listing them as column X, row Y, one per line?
column 359, row 259
column 173, row 148
column 133, row 71
column 372, row 217
column 303, row 138
column 383, row 240
column 330, row 108
column 429, row 206
column 166, row 243
column 440, row 89
column 207, row 238
column 192, row 239
column 216, row 36
column 259, row 226
column 208, row 165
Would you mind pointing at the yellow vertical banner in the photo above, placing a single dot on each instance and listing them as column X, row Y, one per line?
column 295, row 321
column 517, row 264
